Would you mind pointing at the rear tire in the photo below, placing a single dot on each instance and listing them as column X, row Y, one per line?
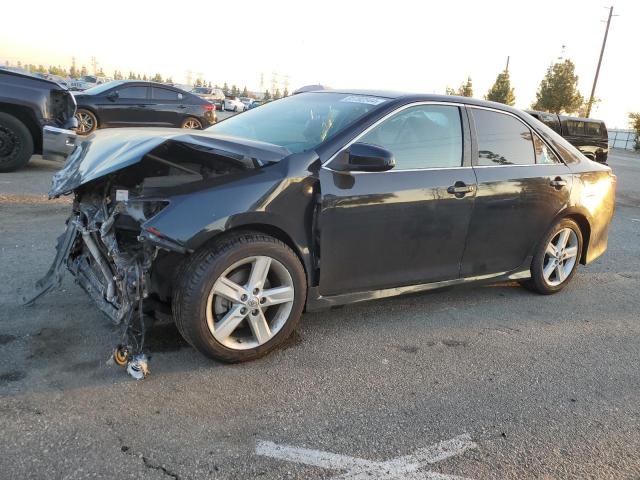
column 16, row 143
column 556, row 259
column 227, row 309
column 191, row 123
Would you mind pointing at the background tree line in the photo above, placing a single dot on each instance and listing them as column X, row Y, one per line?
column 558, row 91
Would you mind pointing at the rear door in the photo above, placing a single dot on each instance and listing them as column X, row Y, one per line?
column 408, row 225
column 168, row 106
column 522, row 186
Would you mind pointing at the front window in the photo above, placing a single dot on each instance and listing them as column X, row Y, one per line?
column 300, row 122
column 425, row 136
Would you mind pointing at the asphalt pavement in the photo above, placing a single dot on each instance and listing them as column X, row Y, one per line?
column 479, row 382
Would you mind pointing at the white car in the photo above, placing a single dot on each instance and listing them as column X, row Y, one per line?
column 87, row 81
column 234, row 104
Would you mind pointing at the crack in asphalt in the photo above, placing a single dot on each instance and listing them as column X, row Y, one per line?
column 145, row 461
column 148, row 464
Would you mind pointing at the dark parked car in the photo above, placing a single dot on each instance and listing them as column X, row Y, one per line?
column 124, row 103
column 586, row 134
column 322, row 199
column 27, row 104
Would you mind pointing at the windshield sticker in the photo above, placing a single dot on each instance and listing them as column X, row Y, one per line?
column 363, row 99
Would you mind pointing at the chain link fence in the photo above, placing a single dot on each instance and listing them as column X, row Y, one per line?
column 625, row 139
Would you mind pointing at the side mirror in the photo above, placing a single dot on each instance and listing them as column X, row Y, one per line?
column 364, row 157
column 113, row 96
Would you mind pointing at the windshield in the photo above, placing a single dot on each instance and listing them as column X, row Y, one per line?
column 103, row 87
column 300, row 122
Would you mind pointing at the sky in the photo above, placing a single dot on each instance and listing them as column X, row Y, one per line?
column 421, row 46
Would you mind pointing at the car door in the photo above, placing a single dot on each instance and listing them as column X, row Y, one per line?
column 125, row 107
column 168, row 106
column 407, row 225
column 522, row 186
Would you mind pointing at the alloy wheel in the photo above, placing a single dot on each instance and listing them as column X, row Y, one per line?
column 250, row 302
column 560, row 257
column 85, row 122
column 192, row 123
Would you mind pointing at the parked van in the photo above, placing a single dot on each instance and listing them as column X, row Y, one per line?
column 586, row 134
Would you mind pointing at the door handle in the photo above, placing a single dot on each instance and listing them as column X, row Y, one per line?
column 558, row 183
column 182, row 106
column 460, row 189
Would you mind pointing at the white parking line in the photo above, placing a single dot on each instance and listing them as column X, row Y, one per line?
column 405, row 467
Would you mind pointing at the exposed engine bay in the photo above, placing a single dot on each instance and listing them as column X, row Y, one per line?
column 123, row 265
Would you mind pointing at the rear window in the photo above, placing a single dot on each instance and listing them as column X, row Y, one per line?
column 593, row 129
column 575, row 127
column 502, row 139
column 165, row 94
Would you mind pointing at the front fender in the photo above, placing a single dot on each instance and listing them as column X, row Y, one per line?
column 269, row 197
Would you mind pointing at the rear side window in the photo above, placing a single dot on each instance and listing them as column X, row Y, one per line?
column 133, row 92
column 165, row 94
column 502, row 139
column 544, row 155
column 575, row 127
column 593, row 129
column 425, row 136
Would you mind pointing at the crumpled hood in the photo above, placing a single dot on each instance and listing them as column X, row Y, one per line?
column 110, row 150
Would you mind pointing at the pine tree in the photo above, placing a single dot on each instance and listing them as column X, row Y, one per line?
column 285, row 93
column 277, row 95
column 267, row 96
column 225, row 88
column 501, row 90
column 558, row 91
column 157, row 78
column 245, row 92
column 168, row 80
column 144, row 78
column 83, row 71
column 466, row 89
column 234, row 90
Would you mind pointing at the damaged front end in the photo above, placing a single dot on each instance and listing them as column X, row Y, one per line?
column 109, row 245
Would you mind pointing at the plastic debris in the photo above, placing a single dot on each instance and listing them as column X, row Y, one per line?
column 138, row 366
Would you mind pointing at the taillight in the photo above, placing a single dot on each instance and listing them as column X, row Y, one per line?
column 208, row 107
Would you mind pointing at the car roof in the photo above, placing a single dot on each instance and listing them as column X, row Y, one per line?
column 420, row 97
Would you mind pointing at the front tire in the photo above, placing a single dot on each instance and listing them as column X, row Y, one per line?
column 87, row 121
column 16, row 143
column 556, row 258
column 240, row 298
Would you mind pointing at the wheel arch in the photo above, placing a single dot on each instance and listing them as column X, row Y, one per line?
column 585, row 230
column 93, row 111
column 273, row 231
column 25, row 115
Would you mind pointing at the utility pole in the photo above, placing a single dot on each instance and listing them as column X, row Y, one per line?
column 595, row 80
column 506, row 69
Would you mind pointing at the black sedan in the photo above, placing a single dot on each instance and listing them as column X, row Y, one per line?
column 124, row 103
column 321, row 199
